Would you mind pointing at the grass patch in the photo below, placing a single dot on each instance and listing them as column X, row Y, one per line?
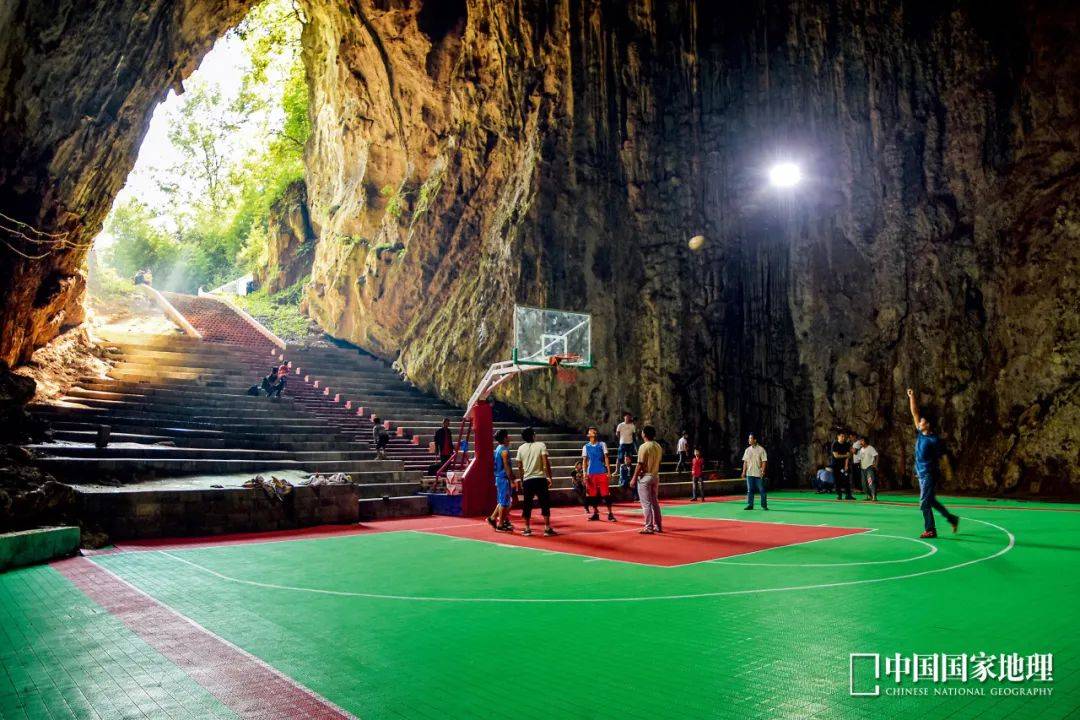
column 280, row 312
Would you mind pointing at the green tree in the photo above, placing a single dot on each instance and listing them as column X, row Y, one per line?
column 138, row 243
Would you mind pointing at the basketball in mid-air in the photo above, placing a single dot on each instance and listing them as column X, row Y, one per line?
column 697, row 242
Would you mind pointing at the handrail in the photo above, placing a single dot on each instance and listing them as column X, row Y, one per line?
column 171, row 312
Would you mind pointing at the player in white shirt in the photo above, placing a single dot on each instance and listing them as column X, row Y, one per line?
column 867, row 457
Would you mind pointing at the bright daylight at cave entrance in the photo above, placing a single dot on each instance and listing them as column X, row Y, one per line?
column 364, row 358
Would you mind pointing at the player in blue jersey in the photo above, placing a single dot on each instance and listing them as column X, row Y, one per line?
column 504, row 477
column 597, row 471
column 928, row 451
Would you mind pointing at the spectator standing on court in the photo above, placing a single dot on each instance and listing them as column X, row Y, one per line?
column 444, row 442
column 504, row 476
column 379, row 437
column 534, row 468
column 867, row 459
column 755, row 463
column 841, row 461
column 625, row 432
column 682, row 451
column 857, row 480
column 697, row 477
column 647, row 480
column 928, row 452
column 597, row 472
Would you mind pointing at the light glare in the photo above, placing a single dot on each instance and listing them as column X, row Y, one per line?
column 785, row 175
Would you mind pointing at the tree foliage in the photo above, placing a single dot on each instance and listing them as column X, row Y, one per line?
column 238, row 148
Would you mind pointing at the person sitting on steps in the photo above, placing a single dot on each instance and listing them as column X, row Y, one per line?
column 274, row 383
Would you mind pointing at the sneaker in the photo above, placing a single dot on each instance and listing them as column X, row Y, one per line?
column 955, row 522
column 492, row 523
column 526, row 532
column 548, row 532
column 748, row 507
column 764, row 508
column 503, row 529
column 929, row 534
column 507, row 526
column 658, row 530
column 645, row 531
column 594, row 516
column 611, row 517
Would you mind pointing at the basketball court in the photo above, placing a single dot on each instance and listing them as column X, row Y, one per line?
column 754, row 614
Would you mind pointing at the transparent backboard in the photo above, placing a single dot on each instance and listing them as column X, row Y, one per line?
column 540, row 333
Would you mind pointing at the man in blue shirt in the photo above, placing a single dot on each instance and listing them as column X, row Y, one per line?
column 928, row 450
column 504, row 476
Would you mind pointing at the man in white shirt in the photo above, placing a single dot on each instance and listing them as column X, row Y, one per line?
column 625, row 431
column 867, row 458
column 755, row 462
column 682, row 451
column 534, row 469
column 856, row 472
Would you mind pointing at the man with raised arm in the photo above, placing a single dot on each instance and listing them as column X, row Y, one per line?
column 928, row 451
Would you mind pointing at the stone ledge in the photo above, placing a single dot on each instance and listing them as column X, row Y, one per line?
column 29, row 547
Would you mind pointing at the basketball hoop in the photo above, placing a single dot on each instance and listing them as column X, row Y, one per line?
column 565, row 376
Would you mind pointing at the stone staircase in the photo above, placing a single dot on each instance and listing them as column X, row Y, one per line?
column 178, row 407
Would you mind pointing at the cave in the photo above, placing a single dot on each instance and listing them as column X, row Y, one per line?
column 933, row 244
column 786, row 220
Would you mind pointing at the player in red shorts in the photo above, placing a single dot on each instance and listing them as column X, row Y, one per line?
column 597, row 471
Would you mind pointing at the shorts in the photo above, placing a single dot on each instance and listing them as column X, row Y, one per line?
column 504, row 497
column 596, row 484
column 535, row 487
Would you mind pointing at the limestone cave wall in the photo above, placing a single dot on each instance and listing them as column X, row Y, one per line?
column 470, row 154
column 562, row 153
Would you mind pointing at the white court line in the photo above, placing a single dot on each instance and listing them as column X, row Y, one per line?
column 724, row 561
column 574, row 600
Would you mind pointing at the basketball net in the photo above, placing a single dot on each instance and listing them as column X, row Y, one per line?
column 564, row 375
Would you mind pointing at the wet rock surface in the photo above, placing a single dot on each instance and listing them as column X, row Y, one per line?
column 468, row 156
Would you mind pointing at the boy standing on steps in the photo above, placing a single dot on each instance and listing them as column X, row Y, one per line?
column 928, row 451
column 380, row 437
column 682, row 451
column 535, row 470
column 624, row 431
column 597, row 471
column 504, row 475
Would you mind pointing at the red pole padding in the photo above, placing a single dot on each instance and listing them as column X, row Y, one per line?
column 478, row 485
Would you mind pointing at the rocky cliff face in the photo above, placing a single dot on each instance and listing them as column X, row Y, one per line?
column 290, row 240
column 468, row 155
column 561, row 154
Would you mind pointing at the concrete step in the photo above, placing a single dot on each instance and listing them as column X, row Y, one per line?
column 81, row 468
column 136, row 450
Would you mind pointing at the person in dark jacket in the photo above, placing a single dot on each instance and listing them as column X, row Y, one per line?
column 444, row 442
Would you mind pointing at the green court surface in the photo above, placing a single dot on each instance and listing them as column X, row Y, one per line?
column 413, row 624
column 63, row 657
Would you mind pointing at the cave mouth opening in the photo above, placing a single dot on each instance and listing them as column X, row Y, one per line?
column 217, row 159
